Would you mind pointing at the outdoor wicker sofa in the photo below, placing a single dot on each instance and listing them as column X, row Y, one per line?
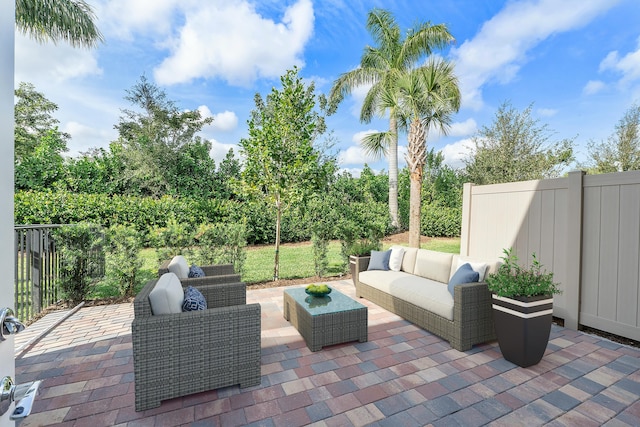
column 189, row 352
column 418, row 293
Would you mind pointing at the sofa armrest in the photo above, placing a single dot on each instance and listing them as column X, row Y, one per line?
column 356, row 265
column 472, row 302
column 218, row 269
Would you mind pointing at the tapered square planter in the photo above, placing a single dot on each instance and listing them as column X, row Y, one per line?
column 523, row 326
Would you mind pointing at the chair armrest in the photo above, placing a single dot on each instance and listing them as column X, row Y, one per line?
column 165, row 341
column 224, row 295
column 218, row 269
column 210, row 280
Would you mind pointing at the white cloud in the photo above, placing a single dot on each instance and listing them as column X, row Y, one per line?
column 225, row 121
column 219, row 150
column 547, row 112
column 468, row 127
column 84, row 138
column 122, row 18
column 234, row 43
column 628, row 65
column 593, row 86
column 498, row 51
column 455, row 153
column 50, row 64
column 353, row 156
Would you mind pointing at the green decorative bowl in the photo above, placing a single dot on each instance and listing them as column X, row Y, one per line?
column 317, row 294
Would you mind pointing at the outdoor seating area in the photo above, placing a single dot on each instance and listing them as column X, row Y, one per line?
column 402, row 375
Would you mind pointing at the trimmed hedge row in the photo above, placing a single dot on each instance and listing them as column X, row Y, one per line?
column 146, row 214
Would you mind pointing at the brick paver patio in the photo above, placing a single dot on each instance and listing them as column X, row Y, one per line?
column 403, row 376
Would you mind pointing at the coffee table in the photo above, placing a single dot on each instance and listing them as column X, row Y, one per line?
column 328, row 320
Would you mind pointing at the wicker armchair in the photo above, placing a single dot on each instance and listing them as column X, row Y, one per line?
column 214, row 274
column 179, row 354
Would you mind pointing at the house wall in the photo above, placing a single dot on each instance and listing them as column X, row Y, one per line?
column 585, row 229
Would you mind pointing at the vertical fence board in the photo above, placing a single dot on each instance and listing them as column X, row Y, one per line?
column 609, row 238
column 629, row 255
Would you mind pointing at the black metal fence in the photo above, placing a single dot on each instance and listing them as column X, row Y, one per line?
column 37, row 269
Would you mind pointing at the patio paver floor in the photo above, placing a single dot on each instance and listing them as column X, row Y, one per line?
column 403, row 376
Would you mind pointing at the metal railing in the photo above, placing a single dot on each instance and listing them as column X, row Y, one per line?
column 37, row 269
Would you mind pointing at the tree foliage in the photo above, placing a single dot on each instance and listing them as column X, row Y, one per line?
column 621, row 151
column 34, row 120
column 159, row 147
column 282, row 163
column 516, row 147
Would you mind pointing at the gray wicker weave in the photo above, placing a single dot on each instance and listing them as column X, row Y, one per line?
column 214, row 274
column 472, row 313
column 327, row 320
column 179, row 354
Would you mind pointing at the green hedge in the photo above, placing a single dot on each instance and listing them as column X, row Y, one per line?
column 440, row 221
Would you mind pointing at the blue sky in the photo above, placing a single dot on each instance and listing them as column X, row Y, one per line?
column 576, row 61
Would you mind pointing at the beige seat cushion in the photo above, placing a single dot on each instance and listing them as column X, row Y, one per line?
column 179, row 266
column 428, row 294
column 167, row 295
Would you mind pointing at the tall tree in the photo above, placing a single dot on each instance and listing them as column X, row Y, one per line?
column 281, row 162
column 381, row 67
column 427, row 98
column 516, row 147
column 159, row 145
column 68, row 20
column 34, row 120
column 621, row 151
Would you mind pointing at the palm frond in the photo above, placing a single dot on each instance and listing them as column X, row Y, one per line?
column 376, row 144
column 55, row 20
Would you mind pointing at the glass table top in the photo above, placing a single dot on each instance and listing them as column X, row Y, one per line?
column 332, row 303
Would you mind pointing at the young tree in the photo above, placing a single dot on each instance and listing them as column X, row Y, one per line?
column 159, row 145
column 516, row 148
column 281, row 162
column 43, row 168
column 381, row 66
column 621, row 151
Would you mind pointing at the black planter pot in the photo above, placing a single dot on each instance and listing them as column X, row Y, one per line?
column 523, row 326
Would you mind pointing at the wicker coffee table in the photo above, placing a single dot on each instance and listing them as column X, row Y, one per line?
column 328, row 320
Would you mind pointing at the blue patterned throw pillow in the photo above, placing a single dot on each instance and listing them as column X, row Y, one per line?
column 195, row 271
column 193, row 300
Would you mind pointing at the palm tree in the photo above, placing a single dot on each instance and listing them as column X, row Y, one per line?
column 54, row 20
column 427, row 97
column 381, row 67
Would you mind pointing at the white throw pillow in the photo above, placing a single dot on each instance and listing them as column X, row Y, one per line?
column 395, row 261
column 480, row 267
column 167, row 295
column 179, row 267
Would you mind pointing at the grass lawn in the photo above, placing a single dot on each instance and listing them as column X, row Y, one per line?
column 296, row 262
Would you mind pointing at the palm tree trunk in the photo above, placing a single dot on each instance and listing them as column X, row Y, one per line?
column 414, row 208
column 393, row 171
column 416, row 158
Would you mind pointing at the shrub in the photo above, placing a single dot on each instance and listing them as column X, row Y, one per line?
column 123, row 260
column 81, row 259
column 440, row 221
column 174, row 239
column 222, row 244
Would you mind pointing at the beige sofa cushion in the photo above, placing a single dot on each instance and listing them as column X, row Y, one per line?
column 167, row 295
column 409, row 259
column 433, row 265
column 428, row 294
